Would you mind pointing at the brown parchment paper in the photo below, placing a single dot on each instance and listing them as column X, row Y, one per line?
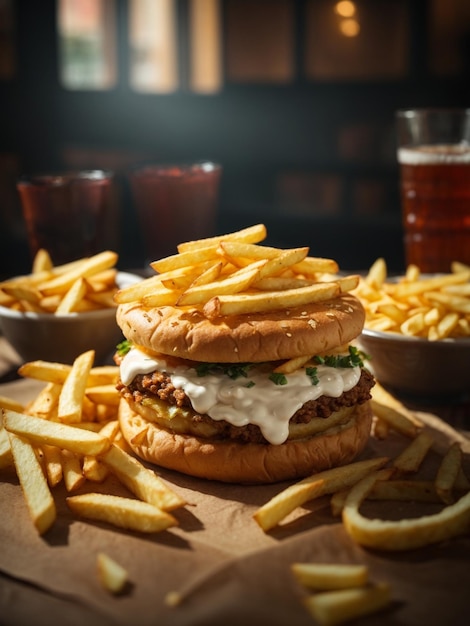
column 227, row 570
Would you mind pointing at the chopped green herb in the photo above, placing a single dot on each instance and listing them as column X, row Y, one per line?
column 278, row 379
column 250, row 383
column 232, row 370
column 355, row 358
column 312, row 374
column 124, row 347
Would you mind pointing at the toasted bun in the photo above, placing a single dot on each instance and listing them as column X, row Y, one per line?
column 269, row 336
column 247, row 463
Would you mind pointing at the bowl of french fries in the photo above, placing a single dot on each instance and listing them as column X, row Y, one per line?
column 417, row 330
column 57, row 312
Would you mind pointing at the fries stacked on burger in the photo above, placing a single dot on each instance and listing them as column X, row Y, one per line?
column 238, row 364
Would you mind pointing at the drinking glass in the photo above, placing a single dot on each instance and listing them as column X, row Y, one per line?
column 70, row 214
column 434, row 159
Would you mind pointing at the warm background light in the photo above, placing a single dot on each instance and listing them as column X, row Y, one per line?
column 345, row 8
column 349, row 28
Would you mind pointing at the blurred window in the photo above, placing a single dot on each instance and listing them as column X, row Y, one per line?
column 87, row 43
column 354, row 41
column 449, row 36
column 205, row 46
column 153, row 46
column 260, row 41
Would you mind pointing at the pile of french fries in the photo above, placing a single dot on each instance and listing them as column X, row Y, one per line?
column 431, row 307
column 232, row 275
column 386, row 479
column 69, row 433
column 341, row 592
column 83, row 285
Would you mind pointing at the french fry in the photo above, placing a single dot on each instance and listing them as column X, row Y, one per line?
column 43, row 431
column 42, row 261
column 252, row 234
column 403, row 534
column 11, row 404
column 236, row 282
column 323, row 483
column 52, row 464
column 6, row 458
column 122, row 512
column 73, row 297
column 73, row 389
column 103, row 394
column 46, row 402
column 267, row 301
column 404, row 491
column 111, row 574
column 141, row 481
column 72, row 470
column 448, row 472
column 87, row 267
column 33, row 483
column 433, row 308
column 329, row 608
column 410, row 459
column 94, row 470
column 327, row 576
column 393, row 412
column 85, row 284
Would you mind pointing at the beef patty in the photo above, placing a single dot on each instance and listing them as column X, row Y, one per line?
column 158, row 385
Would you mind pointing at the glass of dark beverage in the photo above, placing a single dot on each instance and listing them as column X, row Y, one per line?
column 434, row 159
column 70, row 214
column 175, row 203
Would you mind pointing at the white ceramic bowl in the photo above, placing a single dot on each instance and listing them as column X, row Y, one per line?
column 62, row 338
column 417, row 367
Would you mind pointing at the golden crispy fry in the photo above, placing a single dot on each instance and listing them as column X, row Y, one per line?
column 73, row 297
column 85, row 284
column 393, row 412
column 404, row 534
column 236, row 282
column 73, row 389
column 49, row 371
column 252, row 234
column 87, row 267
column 329, row 608
column 410, row 459
column 72, row 470
column 33, row 483
column 6, row 458
column 42, row 261
column 268, row 301
column 404, row 491
column 142, row 482
column 327, row 576
column 42, row 431
column 12, row 405
column 111, row 575
column 432, row 308
column 52, row 461
column 103, row 394
column 327, row 482
column 94, row 470
column 292, row 365
column 46, row 402
column 448, row 473
column 121, row 512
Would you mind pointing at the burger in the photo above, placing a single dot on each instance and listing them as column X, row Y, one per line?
column 209, row 397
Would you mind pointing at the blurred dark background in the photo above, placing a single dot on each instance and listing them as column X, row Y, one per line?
column 295, row 99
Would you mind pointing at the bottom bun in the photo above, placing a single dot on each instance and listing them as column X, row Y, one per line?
column 248, row 463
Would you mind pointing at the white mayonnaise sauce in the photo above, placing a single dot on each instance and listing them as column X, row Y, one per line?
column 252, row 400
